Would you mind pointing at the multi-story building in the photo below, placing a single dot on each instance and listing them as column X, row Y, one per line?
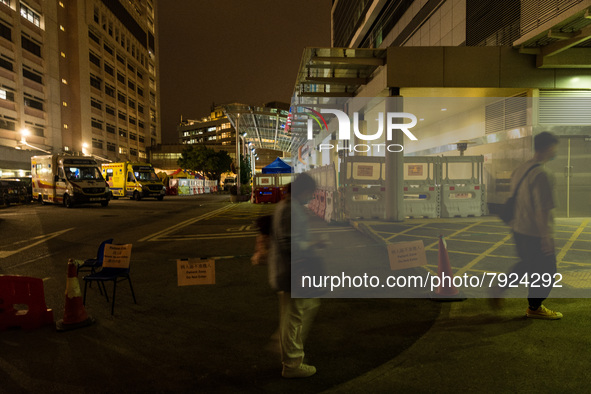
column 213, row 130
column 77, row 76
column 258, row 130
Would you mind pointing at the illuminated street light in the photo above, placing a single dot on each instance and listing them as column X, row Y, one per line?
column 24, row 134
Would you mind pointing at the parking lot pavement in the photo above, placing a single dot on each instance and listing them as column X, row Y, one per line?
column 473, row 348
column 481, row 245
column 218, row 338
column 206, row 338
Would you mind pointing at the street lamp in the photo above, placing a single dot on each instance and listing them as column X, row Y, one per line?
column 238, row 154
column 24, row 134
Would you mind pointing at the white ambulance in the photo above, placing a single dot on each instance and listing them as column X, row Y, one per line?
column 135, row 180
column 68, row 180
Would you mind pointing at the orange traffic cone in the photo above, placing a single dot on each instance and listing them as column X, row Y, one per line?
column 75, row 315
column 446, row 290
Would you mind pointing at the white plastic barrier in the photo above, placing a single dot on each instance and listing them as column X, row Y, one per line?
column 462, row 201
column 362, row 192
column 364, row 202
column 461, row 186
column 193, row 186
column 421, row 192
column 422, row 201
column 323, row 204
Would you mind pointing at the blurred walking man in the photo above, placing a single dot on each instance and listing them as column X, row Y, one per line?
column 290, row 242
column 533, row 226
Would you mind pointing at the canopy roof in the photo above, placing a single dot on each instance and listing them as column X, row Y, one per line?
column 264, row 127
column 180, row 173
column 277, row 167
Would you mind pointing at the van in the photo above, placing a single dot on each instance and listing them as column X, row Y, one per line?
column 134, row 180
column 68, row 180
column 229, row 182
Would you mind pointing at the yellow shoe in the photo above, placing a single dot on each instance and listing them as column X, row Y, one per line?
column 543, row 313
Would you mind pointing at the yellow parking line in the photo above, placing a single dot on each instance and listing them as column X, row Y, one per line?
column 581, row 250
column 472, row 270
column 469, row 240
column 576, row 263
column 483, row 255
column 456, row 233
column 571, row 241
column 405, row 231
column 452, row 229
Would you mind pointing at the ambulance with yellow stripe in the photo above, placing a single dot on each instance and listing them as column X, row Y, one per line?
column 68, row 180
column 134, row 180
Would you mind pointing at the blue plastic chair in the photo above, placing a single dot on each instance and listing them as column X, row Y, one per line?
column 109, row 274
column 91, row 265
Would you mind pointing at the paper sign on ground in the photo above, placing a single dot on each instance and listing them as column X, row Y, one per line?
column 195, row 271
column 117, row 256
column 407, row 255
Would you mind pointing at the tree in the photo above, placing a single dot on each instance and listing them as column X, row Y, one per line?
column 245, row 170
column 201, row 158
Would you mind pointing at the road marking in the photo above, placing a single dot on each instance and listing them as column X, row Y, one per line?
column 405, row 231
column 204, row 236
column 166, row 231
column 456, row 233
column 41, row 239
column 570, row 242
column 486, row 253
column 233, row 234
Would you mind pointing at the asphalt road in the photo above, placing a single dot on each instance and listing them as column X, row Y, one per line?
column 204, row 338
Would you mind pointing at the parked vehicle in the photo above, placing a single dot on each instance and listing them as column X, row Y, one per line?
column 229, row 182
column 135, row 180
column 11, row 192
column 25, row 186
column 68, row 180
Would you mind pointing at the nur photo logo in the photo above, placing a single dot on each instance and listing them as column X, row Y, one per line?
column 393, row 121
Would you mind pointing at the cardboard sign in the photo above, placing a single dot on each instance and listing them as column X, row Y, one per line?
column 117, row 256
column 364, row 170
column 195, row 272
column 415, row 170
column 407, row 255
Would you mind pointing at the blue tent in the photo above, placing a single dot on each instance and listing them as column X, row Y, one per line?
column 277, row 167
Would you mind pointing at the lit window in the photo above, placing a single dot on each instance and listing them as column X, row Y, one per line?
column 64, row 81
column 30, row 15
column 63, row 54
column 61, row 3
column 65, row 104
column 65, row 126
column 62, row 28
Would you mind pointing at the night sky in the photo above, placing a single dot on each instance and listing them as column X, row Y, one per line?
column 225, row 51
